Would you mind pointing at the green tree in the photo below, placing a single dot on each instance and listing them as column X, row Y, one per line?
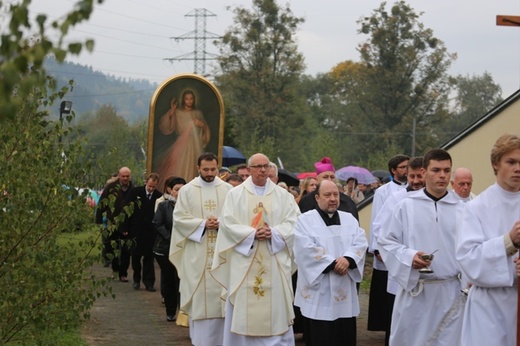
column 111, row 143
column 260, row 70
column 24, row 46
column 45, row 283
column 402, row 86
column 475, row 96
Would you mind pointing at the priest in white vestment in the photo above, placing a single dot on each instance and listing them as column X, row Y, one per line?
column 195, row 228
column 253, row 260
column 329, row 250
column 428, row 306
column 487, row 247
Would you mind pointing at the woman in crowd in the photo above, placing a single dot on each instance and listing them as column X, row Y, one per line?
column 308, row 186
column 163, row 220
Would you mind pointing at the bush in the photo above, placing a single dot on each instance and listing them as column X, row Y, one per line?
column 46, row 285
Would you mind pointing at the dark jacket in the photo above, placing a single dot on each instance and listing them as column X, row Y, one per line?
column 139, row 225
column 113, row 188
column 308, row 202
column 163, row 222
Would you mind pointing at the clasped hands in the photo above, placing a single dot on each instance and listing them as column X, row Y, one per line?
column 212, row 222
column 263, row 232
column 341, row 267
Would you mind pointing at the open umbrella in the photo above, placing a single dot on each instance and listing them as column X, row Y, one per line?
column 287, row 177
column 306, row 174
column 363, row 175
column 380, row 173
column 231, row 156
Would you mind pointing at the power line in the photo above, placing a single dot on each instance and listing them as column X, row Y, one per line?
column 199, row 35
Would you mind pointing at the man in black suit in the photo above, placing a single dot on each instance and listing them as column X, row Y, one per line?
column 141, row 232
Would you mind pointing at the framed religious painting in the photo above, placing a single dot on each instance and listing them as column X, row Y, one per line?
column 186, row 119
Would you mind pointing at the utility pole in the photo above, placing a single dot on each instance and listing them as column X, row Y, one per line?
column 199, row 35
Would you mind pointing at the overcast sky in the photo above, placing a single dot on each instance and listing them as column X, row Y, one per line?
column 133, row 37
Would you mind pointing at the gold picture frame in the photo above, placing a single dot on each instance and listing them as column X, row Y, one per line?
column 186, row 119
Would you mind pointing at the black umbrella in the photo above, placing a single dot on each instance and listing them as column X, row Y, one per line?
column 287, row 177
column 380, row 174
column 231, row 156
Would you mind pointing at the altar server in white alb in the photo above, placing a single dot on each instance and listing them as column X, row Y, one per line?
column 428, row 306
column 487, row 247
column 253, row 260
column 330, row 251
column 195, row 227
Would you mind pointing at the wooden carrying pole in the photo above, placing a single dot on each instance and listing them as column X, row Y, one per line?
column 508, row 20
column 512, row 21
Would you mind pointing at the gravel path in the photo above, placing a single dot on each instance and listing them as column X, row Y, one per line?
column 137, row 317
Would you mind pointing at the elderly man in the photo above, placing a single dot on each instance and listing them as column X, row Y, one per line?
column 108, row 214
column 253, row 260
column 196, row 223
column 273, row 172
column 461, row 182
column 423, row 223
column 330, row 252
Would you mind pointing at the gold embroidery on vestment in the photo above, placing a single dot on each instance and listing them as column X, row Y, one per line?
column 210, row 205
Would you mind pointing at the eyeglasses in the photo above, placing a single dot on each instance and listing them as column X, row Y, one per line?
column 260, row 166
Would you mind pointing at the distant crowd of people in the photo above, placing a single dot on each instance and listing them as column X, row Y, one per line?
column 247, row 260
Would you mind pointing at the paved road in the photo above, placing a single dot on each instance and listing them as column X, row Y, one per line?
column 137, row 317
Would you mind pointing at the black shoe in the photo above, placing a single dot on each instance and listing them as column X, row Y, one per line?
column 136, row 285
column 150, row 289
column 170, row 318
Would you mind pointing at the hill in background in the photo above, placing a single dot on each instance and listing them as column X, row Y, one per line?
column 92, row 89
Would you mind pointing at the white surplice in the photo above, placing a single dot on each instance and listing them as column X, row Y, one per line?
column 428, row 307
column 382, row 219
column 490, row 317
column 380, row 196
column 191, row 251
column 330, row 296
column 256, row 274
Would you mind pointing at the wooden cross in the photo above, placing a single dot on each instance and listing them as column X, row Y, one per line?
column 508, row 20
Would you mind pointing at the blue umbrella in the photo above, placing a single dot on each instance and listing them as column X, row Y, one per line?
column 231, row 156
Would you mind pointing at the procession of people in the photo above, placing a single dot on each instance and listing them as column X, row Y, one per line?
column 251, row 264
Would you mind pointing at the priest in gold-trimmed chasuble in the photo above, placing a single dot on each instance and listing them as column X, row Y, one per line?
column 195, row 228
column 253, row 260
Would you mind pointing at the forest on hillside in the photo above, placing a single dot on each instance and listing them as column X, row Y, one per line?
column 93, row 89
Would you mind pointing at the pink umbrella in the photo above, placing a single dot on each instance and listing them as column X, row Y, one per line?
column 362, row 175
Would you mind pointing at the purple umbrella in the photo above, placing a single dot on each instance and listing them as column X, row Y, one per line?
column 363, row 175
